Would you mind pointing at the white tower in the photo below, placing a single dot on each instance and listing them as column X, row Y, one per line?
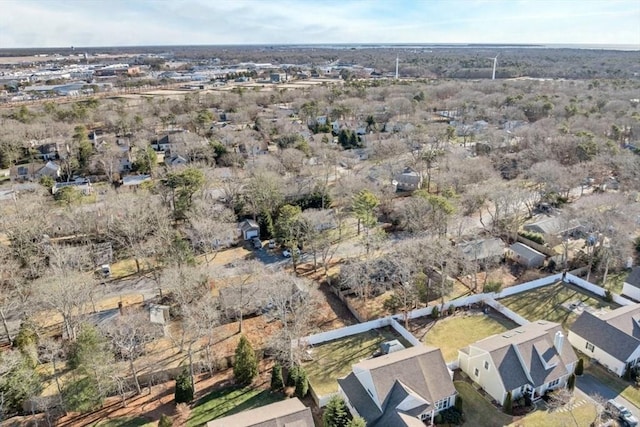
column 397, row 62
column 495, row 62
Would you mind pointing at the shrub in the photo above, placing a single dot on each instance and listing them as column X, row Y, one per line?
column 302, row 383
column 357, row 422
column 571, row 382
column 534, row 237
column 451, row 310
column 392, row 304
column 451, row 416
column 184, row 387
column 608, row 297
column 508, row 404
column 579, row 367
column 277, row 382
column 292, row 376
column 458, row 404
column 435, row 313
column 492, row 287
column 165, row 421
column 245, row 368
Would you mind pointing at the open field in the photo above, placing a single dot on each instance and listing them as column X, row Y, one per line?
column 453, row 333
column 333, row 359
column 552, row 303
column 229, row 401
column 478, row 412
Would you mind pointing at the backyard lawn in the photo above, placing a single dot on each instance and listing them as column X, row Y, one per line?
column 548, row 303
column 453, row 333
column 229, row 401
column 478, row 412
column 333, row 359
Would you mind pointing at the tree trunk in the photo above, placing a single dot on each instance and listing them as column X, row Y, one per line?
column 135, row 376
column 5, row 326
column 137, row 265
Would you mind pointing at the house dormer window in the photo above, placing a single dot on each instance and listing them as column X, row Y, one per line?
column 589, row 347
column 476, row 372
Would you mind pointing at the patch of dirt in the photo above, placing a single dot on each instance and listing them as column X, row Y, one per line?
column 158, row 400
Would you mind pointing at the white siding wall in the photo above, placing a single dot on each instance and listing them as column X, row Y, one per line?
column 489, row 380
column 598, row 354
column 631, row 291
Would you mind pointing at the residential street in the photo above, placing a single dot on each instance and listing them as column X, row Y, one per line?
column 590, row 386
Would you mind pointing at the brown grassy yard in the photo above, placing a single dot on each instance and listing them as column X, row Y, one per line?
column 547, row 303
column 333, row 359
column 453, row 333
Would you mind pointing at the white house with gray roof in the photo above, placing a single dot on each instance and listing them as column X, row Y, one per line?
column 613, row 338
column 286, row 413
column 405, row 388
column 530, row 359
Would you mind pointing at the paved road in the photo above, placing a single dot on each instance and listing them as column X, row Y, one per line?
column 590, row 386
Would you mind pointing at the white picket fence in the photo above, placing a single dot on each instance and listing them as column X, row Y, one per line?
column 528, row 286
column 506, row 312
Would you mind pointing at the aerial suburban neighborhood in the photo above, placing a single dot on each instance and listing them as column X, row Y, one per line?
column 337, row 235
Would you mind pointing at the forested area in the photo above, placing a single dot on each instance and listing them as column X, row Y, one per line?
column 489, row 155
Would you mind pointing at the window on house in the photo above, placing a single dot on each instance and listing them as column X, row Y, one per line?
column 476, row 372
column 590, row 347
column 554, row 383
column 486, row 365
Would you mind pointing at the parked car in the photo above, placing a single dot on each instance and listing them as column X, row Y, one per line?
column 272, row 244
column 257, row 243
column 287, row 253
column 622, row 412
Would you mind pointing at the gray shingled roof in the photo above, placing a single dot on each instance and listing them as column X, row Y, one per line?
column 419, row 370
column 482, row 249
column 552, row 226
column 288, row 412
column 634, row 277
column 616, row 332
column 534, row 342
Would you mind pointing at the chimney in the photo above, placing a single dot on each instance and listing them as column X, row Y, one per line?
column 558, row 341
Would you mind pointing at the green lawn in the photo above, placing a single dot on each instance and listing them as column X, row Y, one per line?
column 478, row 412
column 615, row 281
column 453, row 333
column 124, row 422
column 333, row 359
column 227, row 401
column 547, row 302
column 581, row 415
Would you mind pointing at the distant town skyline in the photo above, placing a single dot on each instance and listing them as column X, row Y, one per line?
column 59, row 23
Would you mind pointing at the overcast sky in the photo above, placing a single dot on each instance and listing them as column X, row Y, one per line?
column 62, row 23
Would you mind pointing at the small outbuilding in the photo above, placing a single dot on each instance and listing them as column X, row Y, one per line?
column 526, row 256
column 249, row 229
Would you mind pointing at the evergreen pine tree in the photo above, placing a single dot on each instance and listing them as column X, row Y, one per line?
column 357, row 422
column 302, row 383
column 245, row 368
column 579, row 367
column 184, row 387
column 508, row 404
column 571, row 382
column 335, row 413
column 276, row 377
column 292, row 376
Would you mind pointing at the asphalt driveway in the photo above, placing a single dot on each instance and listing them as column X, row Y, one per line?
column 591, row 386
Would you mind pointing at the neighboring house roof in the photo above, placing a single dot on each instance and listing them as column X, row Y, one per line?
column 482, row 249
column 520, row 354
column 409, row 177
column 616, row 332
column 417, row 371
column 286, row 413
column 633, row 278
column 251, row 298
column 525, row 251
column 248, row 224
column 131, row 180
column 552, row 226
